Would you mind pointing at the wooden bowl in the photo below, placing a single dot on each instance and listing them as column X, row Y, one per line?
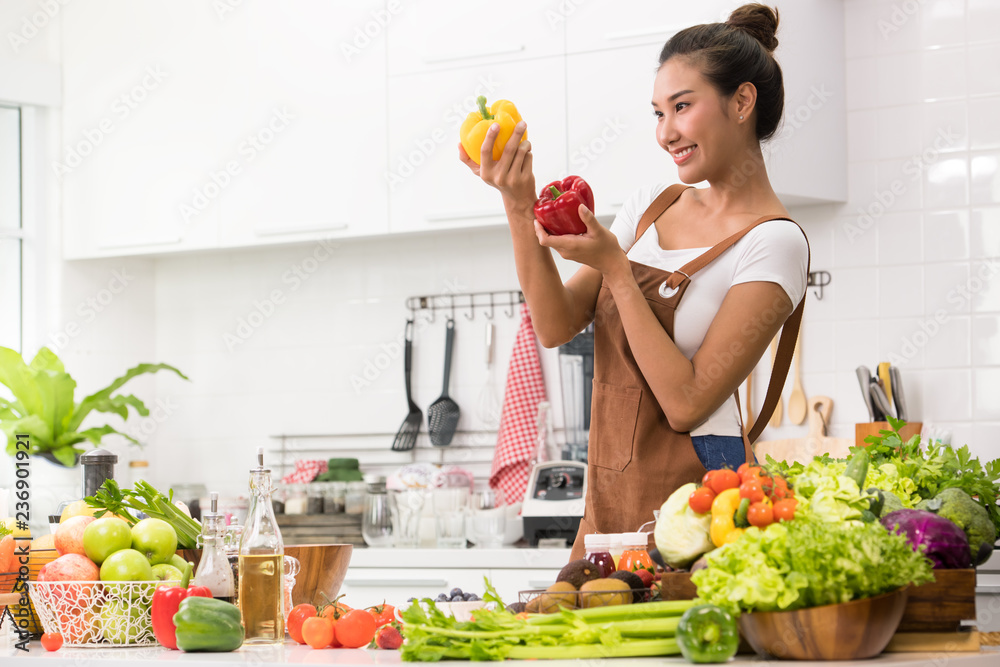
column 323, row 568
column 849, row 631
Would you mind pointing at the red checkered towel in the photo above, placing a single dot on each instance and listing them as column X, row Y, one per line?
column 305, row 472
column 518, row 435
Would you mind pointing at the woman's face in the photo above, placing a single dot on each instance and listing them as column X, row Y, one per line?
column 694, row 123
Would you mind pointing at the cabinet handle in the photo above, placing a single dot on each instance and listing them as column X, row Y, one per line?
column 451, row 217
column 661, row 31
column 497, row 50
column 536, row 584
column 11, row 234
column 302, row 229
column 135, row 244
column 396, row 583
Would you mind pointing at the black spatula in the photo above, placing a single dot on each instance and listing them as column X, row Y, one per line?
column 406, row 436
column 442, row 415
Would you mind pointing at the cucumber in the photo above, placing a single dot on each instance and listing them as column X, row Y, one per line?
column 857, row 467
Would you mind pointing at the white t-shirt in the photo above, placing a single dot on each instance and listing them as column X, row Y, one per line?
column 774, row 251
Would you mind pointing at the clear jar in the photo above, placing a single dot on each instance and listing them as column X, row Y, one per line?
column 333, row 497
column 261, row 568
column 376, row 521
column 314, row 498
column 297, row 500
column 354, row 497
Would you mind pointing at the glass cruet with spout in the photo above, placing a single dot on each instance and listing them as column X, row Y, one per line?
column 261, row 566
column 214, row 570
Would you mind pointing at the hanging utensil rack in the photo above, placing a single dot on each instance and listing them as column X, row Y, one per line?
column 819, row 279
column 468, row 303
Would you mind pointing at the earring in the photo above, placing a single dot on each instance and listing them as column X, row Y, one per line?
column 741, row 117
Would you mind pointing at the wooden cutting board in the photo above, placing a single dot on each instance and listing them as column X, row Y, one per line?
column 815, row 442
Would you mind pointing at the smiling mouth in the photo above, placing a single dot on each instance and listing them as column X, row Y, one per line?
column 684, row 151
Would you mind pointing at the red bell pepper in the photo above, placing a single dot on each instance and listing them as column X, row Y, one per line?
column 166, row 601
column 558, row 204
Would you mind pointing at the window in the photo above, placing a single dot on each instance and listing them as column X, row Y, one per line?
column 11, row 229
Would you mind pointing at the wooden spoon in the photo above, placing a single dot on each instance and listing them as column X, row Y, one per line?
column 776, row 416
column 797, row 401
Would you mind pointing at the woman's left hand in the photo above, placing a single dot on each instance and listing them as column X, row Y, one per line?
column 598, row 248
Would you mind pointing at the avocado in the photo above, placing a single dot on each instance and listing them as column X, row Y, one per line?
column 516, row 607
column 532, row 606
column 633, row 581
column 578, row 572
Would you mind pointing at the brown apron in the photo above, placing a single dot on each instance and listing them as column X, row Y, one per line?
column 635, row 460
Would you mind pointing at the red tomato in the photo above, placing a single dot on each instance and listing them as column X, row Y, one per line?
column 355, row 629
column 317, row 631
column 51, row 641
column 784, row 510
column 760, row 514
column 780, row 489
column 296, row 617
column 383, row 614
column 335, row 609
column 720, row 480
column 753, row 490
column 741, row 472
column 701, row 499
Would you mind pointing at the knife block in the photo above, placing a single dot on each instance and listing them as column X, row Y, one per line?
column 865, row 429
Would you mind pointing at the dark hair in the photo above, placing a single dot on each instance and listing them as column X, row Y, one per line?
column 737, row 51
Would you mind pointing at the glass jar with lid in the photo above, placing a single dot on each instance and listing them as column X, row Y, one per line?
column 354, row 497
column 297, row 500
column 333, row 497
column 314, row 497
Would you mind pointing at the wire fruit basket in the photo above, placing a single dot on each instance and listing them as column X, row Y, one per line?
column 547, row 602
column 97, row 614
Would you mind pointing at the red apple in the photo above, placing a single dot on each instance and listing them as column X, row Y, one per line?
column 68, row 568
column 69, row 535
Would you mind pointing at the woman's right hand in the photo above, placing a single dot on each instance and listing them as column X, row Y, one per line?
column 511, row 174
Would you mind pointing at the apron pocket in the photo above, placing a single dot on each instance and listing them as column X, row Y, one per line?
column 615, row 411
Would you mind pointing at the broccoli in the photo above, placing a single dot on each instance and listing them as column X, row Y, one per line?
column 890, row 503
column 958, row 506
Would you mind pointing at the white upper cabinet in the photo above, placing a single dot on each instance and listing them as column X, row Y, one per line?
column 144, row 120
column 445, row 34
column 595, row 26
column 429, row 187
column 309, row 135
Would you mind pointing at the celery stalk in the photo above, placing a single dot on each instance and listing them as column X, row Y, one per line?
column 625, row 612
column 632, row 649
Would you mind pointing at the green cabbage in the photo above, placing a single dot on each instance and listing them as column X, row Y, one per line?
column 681, row 534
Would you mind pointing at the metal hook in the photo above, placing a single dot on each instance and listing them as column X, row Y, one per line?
column 451, row 297
column 491, row 313
column 430, row 311
column 509, row 312
column 818, row 279
column 471, row 315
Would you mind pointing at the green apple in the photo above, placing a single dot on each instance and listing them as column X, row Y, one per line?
column 178, row 562
column 126, row 565
column 155, row 539
column 102, row 537
column 167, row 572
column 123, row 622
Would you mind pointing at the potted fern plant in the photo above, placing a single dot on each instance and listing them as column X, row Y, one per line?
column 45, row 409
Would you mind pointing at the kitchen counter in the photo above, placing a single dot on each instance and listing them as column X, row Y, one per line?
column 294, row 654
column 482, row 559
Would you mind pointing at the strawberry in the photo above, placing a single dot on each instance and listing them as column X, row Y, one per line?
column 388, row 637
column 646, row 576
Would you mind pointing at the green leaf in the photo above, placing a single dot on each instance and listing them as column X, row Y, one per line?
column 66, row 455
column 17, row 377
column 37, row 430
column 46, row 360
column 9, row 410
column 95, row 434
column 119, row 405
column 99, row 398
column 56, row 389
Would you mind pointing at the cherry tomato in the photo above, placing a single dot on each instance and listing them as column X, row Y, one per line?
column 780, row 489
column 761, row 514
column 296, row 617
column 701, row 499
column 383, row 614
column 317, row 631
column 51, row 641
column 741, row 472
column 784, row 510
column 720, row 480
column 335, row 609
column 753, row 490
column 355, row 629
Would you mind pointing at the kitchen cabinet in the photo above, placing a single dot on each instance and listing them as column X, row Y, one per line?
column 448, row 34
column 429, row 187
column 143, row 126
column 315, row 100
column 610, row 123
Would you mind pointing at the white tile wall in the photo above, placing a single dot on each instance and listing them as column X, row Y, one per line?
column 912, row 257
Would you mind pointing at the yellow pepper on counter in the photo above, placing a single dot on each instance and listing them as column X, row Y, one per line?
column 477, row 123
column 723, row 529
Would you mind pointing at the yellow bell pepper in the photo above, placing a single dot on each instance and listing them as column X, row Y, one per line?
column 477, row 123
column 723, row 529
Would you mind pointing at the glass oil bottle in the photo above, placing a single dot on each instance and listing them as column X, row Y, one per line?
column 214, row 570
column 261, row 566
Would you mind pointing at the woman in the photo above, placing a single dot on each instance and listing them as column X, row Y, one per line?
column 688, row 286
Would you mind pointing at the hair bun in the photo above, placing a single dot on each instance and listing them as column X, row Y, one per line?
column 760, row 21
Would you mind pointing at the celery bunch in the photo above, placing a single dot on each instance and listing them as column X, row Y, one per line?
column 146, row 499
column 646, row 629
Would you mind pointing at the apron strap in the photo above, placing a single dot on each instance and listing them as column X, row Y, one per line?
column 658, row 206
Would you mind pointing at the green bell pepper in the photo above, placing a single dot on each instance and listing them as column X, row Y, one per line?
column 707, row 633
column 207, row 624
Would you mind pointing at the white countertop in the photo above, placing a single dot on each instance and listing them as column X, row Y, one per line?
column 482, row 559
column 265, row 656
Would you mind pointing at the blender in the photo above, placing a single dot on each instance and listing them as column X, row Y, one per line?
column 576, row 376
